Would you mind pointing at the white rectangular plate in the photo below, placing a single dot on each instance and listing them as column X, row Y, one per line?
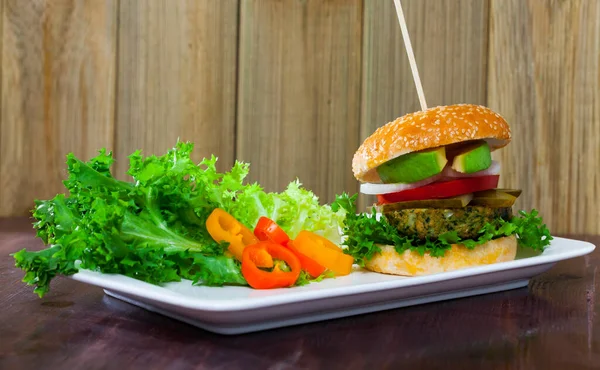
column 237, row 310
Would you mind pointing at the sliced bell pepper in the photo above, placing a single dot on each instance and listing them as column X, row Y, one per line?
column 261, row 279
column 267, row 229
column 224, row 227
column 309, row 265
column 323, row 252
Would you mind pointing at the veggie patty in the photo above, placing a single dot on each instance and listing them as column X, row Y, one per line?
column 423, row 223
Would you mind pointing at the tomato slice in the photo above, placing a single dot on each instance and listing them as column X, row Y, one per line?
column 444, row 189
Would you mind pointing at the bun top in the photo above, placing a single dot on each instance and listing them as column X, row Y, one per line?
column 434, row 127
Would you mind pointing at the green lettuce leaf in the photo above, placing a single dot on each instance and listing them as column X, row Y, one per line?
column 295, row 209
column 152, row 227
column 305, row 278
column 365, row 233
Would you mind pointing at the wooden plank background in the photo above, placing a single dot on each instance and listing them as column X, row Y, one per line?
column 176, row 78
column 299, row 93
column 544, row 78
column 293, row 88
column 58, row 76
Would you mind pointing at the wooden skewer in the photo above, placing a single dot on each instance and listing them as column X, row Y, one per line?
column 411, row 55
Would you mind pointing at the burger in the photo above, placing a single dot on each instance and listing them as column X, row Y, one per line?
column 438, row 205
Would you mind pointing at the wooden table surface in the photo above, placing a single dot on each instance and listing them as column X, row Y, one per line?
column 551, row 324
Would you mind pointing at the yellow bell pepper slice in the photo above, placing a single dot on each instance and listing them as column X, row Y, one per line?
column 324, row 252
column 224, row 227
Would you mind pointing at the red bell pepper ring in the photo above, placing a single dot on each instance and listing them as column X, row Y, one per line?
column 261, row 279
column 267, row 229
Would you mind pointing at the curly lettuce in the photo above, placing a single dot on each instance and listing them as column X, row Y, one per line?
column 295, row 209
column 152, row 228
column 365, row 233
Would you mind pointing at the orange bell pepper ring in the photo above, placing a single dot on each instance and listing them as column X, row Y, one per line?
column 261, row 279
column 224, row 227
column 308, row 264
column 323, row 252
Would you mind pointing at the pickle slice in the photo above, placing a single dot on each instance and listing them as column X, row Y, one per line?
column 494, row 198
column 514, row 192
column 454, row 202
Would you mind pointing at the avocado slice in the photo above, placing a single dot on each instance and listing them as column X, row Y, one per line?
column 473, row 158
column 413, row 167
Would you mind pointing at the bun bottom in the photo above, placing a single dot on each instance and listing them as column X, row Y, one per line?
column 411, row 263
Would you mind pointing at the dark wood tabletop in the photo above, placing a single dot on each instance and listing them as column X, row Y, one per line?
column 552, row 324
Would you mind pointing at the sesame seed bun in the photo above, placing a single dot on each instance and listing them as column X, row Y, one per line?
column 411, row 263
column 434, row 127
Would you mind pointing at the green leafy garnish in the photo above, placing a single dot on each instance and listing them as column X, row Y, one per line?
column 364, row 233
column 295, row 209
column 153, row 227
column 305, row 278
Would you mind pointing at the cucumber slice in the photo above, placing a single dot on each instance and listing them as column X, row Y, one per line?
column 413, row 167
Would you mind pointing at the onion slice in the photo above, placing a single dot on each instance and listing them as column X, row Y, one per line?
column 369, row 188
